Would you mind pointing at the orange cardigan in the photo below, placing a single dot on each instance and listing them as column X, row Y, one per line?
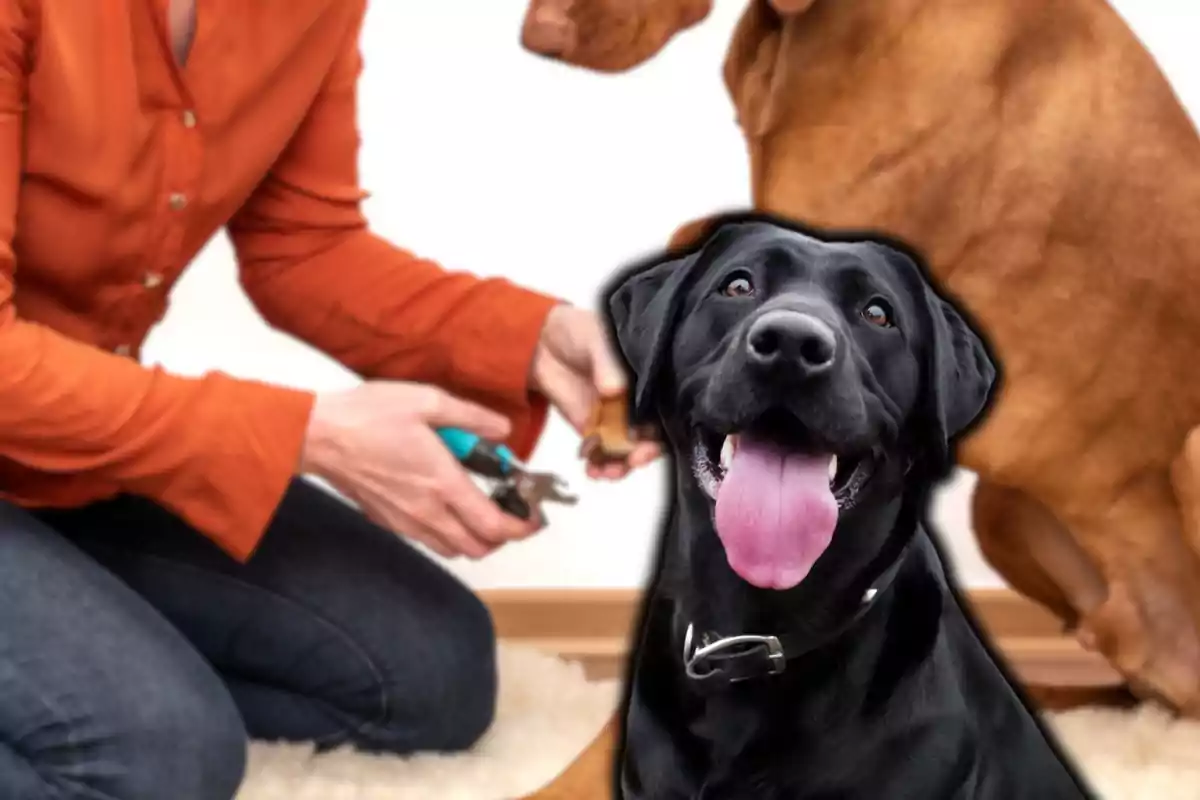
column 116, row 166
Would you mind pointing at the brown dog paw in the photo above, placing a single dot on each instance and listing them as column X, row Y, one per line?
column 608, row 437
column 1159, row 665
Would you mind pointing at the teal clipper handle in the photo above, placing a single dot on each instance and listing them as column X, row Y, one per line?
column 479, row 455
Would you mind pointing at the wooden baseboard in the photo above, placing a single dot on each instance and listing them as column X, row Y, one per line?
column 592, row 626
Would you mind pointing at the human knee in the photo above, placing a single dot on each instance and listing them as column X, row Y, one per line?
column 441, row 695
column 468, row 684
column 215, row 748
column 186, row 746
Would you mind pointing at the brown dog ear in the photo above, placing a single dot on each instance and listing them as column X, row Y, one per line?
column 785, row 7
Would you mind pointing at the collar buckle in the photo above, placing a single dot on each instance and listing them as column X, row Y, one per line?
column 698, row 660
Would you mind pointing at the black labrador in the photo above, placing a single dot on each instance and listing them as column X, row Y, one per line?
column 802, row 638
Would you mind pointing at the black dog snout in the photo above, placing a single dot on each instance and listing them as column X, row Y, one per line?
column 792, row 340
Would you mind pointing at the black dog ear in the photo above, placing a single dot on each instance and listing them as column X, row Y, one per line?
column 644, row 309
column 958, row 374
column 961, row 375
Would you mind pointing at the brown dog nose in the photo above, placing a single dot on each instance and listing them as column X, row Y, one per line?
column 791, row 340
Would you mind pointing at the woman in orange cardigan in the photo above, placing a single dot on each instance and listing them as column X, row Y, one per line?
column 167, row 585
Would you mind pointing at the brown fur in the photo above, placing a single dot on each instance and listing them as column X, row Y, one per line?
column 1035, row 153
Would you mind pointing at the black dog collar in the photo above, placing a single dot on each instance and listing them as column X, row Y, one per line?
column 710, row 658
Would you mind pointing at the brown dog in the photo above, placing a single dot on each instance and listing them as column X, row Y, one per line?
column 1037, row 156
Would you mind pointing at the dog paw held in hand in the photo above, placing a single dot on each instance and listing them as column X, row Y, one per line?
column 608, row 437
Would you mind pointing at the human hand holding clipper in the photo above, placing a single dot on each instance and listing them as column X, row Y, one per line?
column 402, row 451
column 377, row 445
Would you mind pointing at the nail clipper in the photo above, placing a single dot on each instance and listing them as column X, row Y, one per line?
column 518, row 490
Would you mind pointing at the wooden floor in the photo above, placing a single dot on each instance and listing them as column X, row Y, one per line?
column 592, row 626
column 1054, row 698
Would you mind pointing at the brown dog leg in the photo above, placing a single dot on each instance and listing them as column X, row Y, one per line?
column 590, row 776
column 1034, row 552
column 1134, row 599
column 1148, row 626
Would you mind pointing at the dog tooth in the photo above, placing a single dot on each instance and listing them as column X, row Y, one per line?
column 832, row 468
column 727, row 448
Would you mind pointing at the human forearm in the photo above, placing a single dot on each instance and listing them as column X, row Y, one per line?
column 386, row 313
column 376, row 444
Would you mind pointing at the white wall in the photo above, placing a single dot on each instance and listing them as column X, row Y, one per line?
column 488, row 159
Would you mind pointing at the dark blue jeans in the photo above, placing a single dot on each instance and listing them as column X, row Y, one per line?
column 136, row 658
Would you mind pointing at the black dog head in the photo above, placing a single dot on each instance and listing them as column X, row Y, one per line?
column 798, row 379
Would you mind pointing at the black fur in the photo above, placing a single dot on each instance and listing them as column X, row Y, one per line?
column 895, row 699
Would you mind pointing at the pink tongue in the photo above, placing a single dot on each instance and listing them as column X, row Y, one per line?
column 775, row 513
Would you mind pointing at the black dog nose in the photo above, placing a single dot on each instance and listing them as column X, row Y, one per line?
column 792, row 338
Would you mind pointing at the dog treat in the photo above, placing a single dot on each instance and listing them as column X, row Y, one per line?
column 608, row 436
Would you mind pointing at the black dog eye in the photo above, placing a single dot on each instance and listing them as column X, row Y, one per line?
column 877, row 312
column 737, row 285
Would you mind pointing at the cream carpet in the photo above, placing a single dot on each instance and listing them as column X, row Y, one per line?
column 548, row 712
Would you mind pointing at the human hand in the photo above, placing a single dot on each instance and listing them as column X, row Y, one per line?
column 376, row 444
column 574, row 366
